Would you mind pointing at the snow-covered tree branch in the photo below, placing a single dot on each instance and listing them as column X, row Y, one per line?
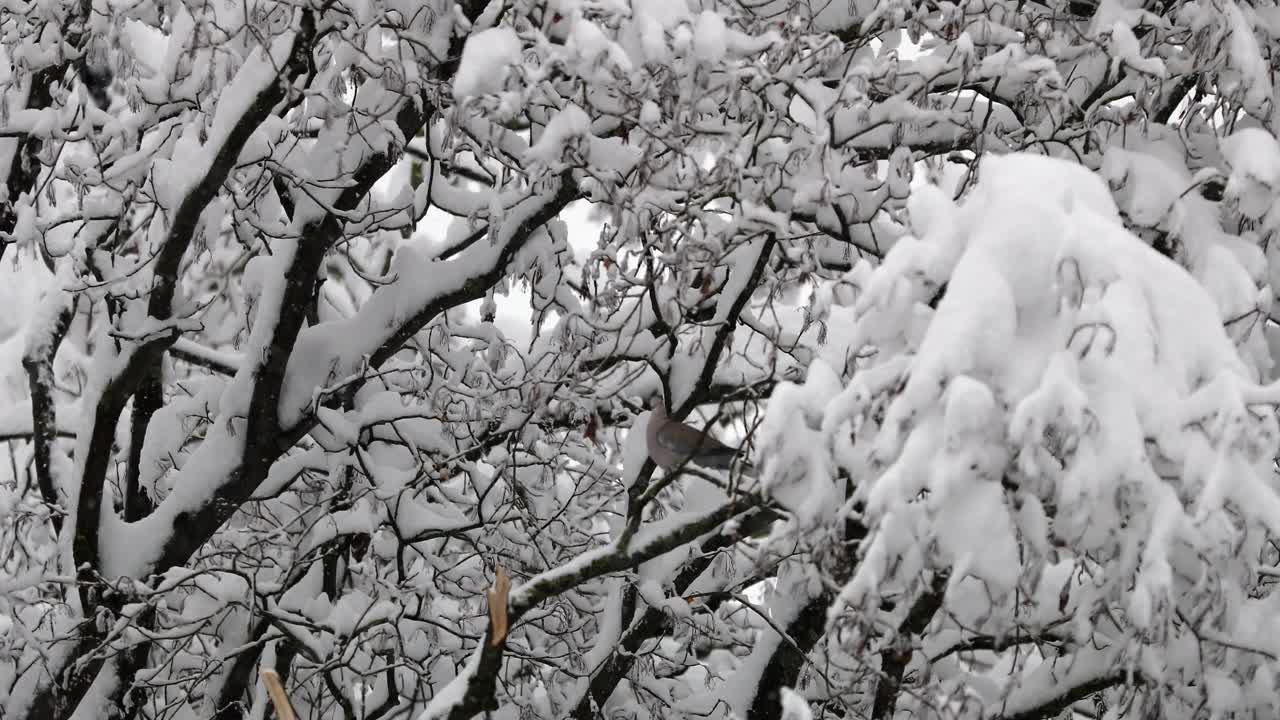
column 334, row 331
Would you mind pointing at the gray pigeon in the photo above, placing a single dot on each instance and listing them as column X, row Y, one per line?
column 672, row 443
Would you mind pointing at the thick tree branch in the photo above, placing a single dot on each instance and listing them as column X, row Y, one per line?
column 182, row 230
column 481, row 675
column 803, row 633
column 148, row 399
column 654, row 621
column 62, row 695
column 97, row 449
column 789, row 658
column 1066, row 696
column 186, row 218
column 38, row 363
column 895, row 658
column 214, row 361
column 743, row 289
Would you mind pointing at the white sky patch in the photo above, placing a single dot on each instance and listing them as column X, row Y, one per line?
column 514, row 311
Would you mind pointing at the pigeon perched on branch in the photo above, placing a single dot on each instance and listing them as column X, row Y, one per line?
column 672, row 443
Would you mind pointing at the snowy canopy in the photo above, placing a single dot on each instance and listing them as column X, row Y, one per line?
column 333, row 332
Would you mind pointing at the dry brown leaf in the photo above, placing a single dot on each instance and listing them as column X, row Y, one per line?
column 275, row 688
column 498, row 607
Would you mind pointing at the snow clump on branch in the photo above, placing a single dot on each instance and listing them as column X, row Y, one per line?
column 1068, row 437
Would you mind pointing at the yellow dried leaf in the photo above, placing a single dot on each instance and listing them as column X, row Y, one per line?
column 275, row 688
column 498, row 607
